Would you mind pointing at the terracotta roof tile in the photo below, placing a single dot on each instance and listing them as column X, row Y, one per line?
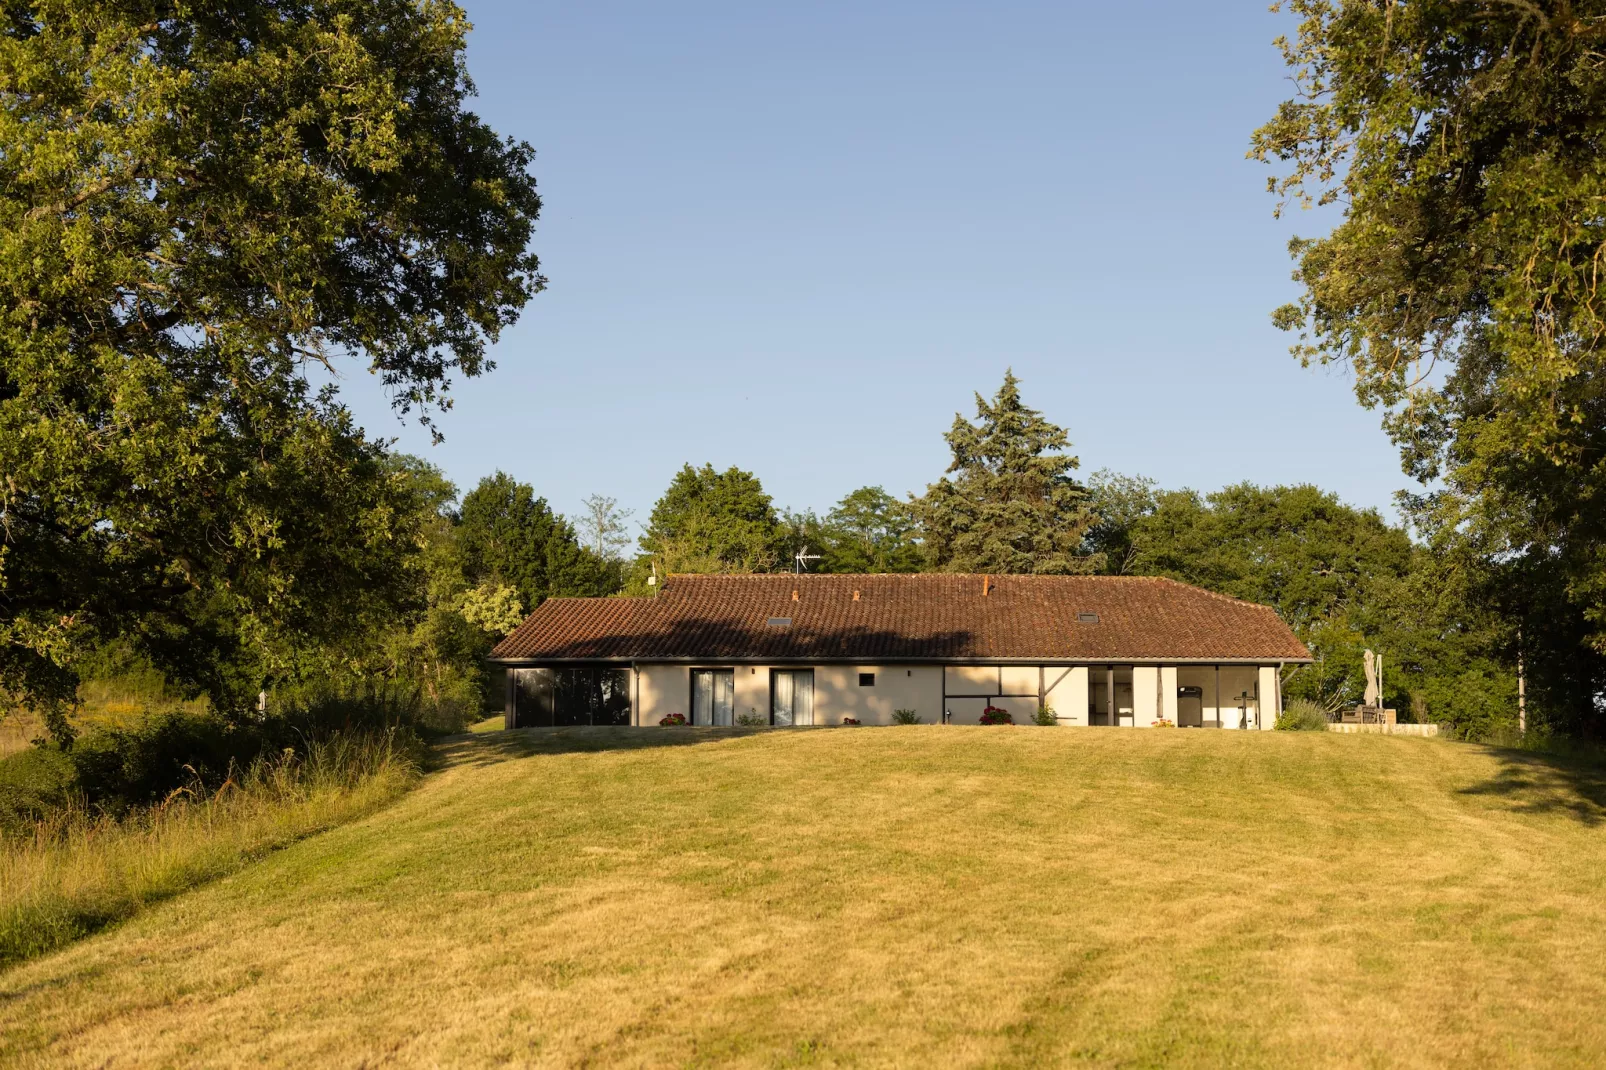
column 898, row 617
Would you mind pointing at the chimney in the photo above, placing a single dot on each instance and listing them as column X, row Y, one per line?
column 855, row 594
column 986, row 586
column 794, row 594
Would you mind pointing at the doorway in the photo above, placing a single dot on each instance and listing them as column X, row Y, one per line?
column 713, row 696
column 1190, row 707
column 791, row 697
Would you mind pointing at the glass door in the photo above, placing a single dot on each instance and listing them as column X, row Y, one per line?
column 792, row 696
column 713, row 696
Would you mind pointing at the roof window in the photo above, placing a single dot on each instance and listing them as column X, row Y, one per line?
column 1087, row 618
column 779, row 622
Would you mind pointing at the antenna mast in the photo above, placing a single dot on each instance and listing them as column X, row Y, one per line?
column 800, row 563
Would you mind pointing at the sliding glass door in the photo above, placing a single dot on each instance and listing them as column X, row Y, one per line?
column 713, row 696
column 571, row 696
column 791, row 696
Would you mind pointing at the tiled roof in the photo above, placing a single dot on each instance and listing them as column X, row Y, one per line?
column 899, row 617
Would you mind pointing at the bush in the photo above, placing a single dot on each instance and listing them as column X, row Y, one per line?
column 905, row 717
column 1302, row 715
column 994, row 715
column 1163, row 722
column 1045, row 716
column 34, row 783
column 751, row 719
column 671, row 719
column 851, row 721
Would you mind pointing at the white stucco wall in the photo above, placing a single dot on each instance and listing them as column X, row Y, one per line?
column 663, row 689
column 1067, row 694
column 837, row 693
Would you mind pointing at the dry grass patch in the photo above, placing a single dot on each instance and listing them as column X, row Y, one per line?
column 78, row 872
column 945, row 895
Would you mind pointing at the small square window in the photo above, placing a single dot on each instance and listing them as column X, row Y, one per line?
column 867, row 679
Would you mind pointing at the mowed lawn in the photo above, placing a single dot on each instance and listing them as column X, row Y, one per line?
column 912, row 895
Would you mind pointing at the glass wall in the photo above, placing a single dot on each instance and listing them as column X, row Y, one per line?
column 713, row 694
column 792, row 696
column 571, row 696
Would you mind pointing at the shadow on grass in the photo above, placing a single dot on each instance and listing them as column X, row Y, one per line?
column 490, row 748
column 1533, row 783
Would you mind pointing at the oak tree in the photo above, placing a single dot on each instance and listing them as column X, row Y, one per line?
column 198, row 204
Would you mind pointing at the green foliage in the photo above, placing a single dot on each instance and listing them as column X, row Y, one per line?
column 1119, row 503
column 1011, row 505
column 1045, row 717
column 197, row 204
column 34, row 784
column 905, row 717
column 1302, row 715
column 509, row 537
column 1461, row 289
column 871, row 531
column 752, row 719
column 709, row 521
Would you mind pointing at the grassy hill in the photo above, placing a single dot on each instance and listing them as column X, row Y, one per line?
column 946, row 895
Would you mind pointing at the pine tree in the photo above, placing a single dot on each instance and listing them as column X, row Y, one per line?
column 1011, row 505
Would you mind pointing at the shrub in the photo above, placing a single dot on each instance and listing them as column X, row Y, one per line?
column 1302, row 715
column 1163, row 722
column 994, row 715
column 671, row 719
column 1045, row 716
column 851, row 721
column 34, row 783
column 751, row 719
column 905, row 717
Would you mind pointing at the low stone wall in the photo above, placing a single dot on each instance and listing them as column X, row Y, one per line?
column 1386, row 729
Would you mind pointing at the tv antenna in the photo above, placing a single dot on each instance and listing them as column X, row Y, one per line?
column 802, row 559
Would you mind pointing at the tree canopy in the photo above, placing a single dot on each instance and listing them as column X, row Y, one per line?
column 871, row 531
column 196, row 205
column 1011, row 504
column 711, row 521
column 1461, row 284
column 510, row 537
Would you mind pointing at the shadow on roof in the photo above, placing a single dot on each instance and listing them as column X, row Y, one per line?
column 746, row 639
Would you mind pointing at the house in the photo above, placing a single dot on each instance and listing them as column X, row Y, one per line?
column 817, row 649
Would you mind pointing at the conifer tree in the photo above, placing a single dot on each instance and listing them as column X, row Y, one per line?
column 1009, row 503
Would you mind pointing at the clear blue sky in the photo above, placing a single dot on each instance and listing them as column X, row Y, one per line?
column 797, row 238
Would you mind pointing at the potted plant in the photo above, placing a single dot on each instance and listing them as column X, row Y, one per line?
column 851, row 720
column 669, row 720
column 993, row 715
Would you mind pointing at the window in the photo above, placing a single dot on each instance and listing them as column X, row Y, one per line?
column 571, row 696
column 1087, row 618
column 791, row 696
column 867, row 679
column 779, row 622
column 713, row 696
